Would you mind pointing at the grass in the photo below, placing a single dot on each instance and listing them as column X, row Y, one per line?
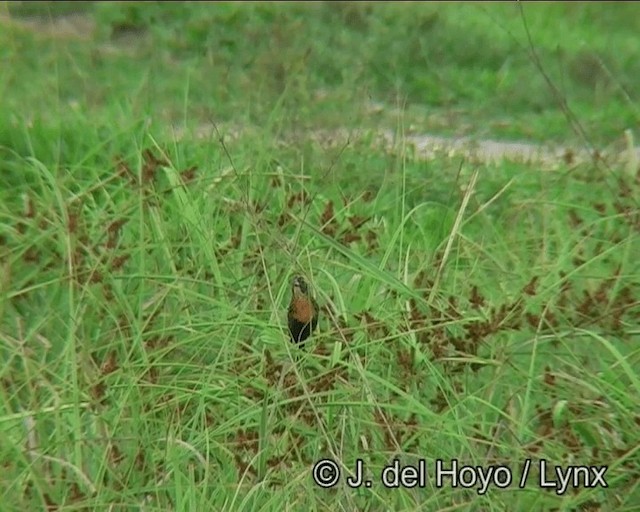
column 485, row 313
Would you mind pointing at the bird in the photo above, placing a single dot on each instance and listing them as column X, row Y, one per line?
column 303, row 311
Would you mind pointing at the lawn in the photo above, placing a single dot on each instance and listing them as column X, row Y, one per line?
column 166, row 169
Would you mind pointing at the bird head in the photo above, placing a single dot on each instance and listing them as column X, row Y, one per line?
column 299, row 286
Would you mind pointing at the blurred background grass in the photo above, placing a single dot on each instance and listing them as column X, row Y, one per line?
column 454, row 69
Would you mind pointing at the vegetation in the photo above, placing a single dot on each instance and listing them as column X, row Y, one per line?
column 167, row 168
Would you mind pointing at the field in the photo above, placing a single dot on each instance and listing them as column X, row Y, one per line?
column 166, row 169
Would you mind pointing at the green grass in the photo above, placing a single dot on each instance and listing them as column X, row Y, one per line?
column 486, row 313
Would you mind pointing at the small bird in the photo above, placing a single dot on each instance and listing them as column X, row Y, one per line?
column 303, row 311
